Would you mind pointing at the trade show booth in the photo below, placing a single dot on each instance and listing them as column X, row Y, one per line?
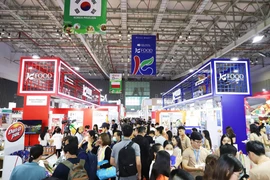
column 44, row 83
column 213, row 98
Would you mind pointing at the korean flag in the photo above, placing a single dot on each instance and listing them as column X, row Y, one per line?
column 85, row 8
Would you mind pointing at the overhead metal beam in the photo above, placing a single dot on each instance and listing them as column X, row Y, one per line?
column 250, row 34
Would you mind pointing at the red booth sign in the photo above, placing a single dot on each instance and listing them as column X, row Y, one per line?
column 15, row 132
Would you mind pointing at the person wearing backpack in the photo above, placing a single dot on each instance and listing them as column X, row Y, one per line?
column 73, row 168
column 126, row 157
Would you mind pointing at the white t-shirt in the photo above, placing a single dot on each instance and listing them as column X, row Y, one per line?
column 57, row 140
column 45, row 140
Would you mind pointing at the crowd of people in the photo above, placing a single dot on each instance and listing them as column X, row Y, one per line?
column 142, row 150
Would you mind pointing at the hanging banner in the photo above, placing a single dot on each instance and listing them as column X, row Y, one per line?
column 85, row 16
column 115, row 83
column 143, row 55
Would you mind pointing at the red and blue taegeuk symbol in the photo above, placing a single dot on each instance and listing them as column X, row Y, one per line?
column 85, row 6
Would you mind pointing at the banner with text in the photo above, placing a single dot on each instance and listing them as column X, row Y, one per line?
column 85, row 16
column 115, row 83
column 143, row 55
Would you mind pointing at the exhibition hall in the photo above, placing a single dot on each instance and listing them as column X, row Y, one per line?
column 134, row 89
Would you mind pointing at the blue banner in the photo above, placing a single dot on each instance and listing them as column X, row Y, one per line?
column 143, row 56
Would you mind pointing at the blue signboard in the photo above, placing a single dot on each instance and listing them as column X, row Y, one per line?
column 231, row 77
column 143, row 56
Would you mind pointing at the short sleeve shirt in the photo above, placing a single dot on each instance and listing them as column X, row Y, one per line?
column 190, row 156
column 185, row 142
column 260, row 172
column 117, row 147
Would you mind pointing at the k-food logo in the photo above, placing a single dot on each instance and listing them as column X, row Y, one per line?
column 143, row 50
column 141, row 65
column 39, row 76
column 231, row 77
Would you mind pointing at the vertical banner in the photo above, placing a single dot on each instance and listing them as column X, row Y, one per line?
column 85, row 16
column 143, row 55
column 115, row 83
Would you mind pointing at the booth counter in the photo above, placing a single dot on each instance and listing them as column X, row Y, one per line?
column 214, row 96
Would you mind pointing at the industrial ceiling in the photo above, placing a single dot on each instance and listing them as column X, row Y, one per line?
column 189, row 32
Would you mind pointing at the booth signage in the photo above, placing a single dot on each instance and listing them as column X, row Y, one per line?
column 37, row 76
column 85, row 16
column 87, row 92
column 231, row 77
column 15, row 132
column 115, row 83
column 36, row 100
column 143, row 55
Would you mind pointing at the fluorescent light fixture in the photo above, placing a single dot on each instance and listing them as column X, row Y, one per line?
column 35, row 56
column 261, row 54
column 30, row 67
column 76, row 68
column 234, row 58
column 264, row 90
column 257, row 38
column 132, row 109
column 191, row 70
column 236, row 71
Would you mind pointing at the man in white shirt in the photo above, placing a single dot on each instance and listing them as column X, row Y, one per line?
column 256, row 153
column 159, row 138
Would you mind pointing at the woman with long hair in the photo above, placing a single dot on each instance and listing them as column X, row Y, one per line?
column 231, row 134
column 30, row 170
column 207, row 140
column 79, row 134
column 255, row 134
column 44, row 137
column 227, row 167
column 153, row 153
column 169, row 135
column 161, row 168
column 56, row 141
column 210, row 164
column 95, row 128
column 225, row 139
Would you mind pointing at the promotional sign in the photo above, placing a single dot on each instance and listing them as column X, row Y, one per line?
column 85, row 16
column 36, row 100
column 73, row 86
column 37, row 76
column 143, row 55
column 14, row 139
column 231, row 77
column 115, row 83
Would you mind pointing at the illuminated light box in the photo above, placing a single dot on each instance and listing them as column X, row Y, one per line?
column 52, row 76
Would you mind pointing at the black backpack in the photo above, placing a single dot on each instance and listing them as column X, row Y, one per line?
column 127, row 161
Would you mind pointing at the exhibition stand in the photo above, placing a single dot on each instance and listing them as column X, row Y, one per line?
column 213, row 98
column 41, row 81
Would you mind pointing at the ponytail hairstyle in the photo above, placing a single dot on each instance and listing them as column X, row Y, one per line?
column 35, row 152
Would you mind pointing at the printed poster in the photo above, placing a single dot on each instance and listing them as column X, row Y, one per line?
column 143, row 55
column 85, row 16
column 115, row 83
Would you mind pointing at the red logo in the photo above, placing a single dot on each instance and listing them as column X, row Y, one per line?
column 15, row 132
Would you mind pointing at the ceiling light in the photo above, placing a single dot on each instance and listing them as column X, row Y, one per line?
column 76, row 68
column 188, row 35
column 69, row 36
column 236, row 71
column 261, row 54
column 95, row 74
column 172, row 59
column 180, row 36
column 234, row 58
column 264, row 90
column 35, row 56
column 257, row 38
column 8, row 35
column 186, row 38
column 122, row 59
column 256, row 61
column 3, row 31
column 89, row 73
column 191, row 70
column 61, row 36
column 57, row 32
column 0, row 35
column 78, row 57
column 30, row 67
